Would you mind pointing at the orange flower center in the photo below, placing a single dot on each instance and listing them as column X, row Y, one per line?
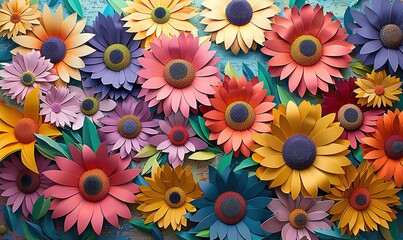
column 179, row 73
column 379, row 90
column 298, row 218
column 175, row 197
column 306, row 50
column 129, row 126
column 360, row 199
column 350, row 117
column 239, row 115
column 15, row 18
column 27, row 181
column 94, row 185
column 230, row 207
column 25, row 129
column 178, row 135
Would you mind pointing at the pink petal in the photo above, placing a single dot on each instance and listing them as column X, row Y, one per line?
column 97, row 219
column 124, row 176
column 85, row 215
column 272, row 225
column 62, row 178
column 89, row 158
column 64, row 207
column 122, row 194
column 108, row 211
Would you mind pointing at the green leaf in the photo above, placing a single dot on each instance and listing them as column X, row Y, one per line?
column 358, row 154
column 225, row 162
column 10, row 218
column 32, row 231
column 203, row 127
column 140, row 225
column 204, row 233
column 230, row 71
column 41, row 207
column 391, row 233
column 284, row 95
column 67, row 139
column 196, row 127
column 117, row 5
column 201, row 155
column 359, row 69
column 268, row 82
column 50, row 147
column 146, row 151
column 298, row 3
column 330, row 234
column 90, row 135
column 32, row 2
column 75, row 5
column 246, row 164
column 150, row 162
column 186, row 236
column 348, row 18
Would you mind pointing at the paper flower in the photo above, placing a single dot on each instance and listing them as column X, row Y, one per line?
column 59, row 106
column 384, row 148
column 167, row 198
column 21, row 186
column 177, row 73
column 18, row 129
column 303, row 152
column 365, row 204
column 113, row 66
column 58, row 40
column 357, row 121
column 90, row 105
column 298, row 218
column 128, row 127
column 177, row 139
column 233, row 206
column 25, row 73
column 239, row 110
column 238, row 24
column 151, row 19
column 91, row 187
column 17, row 17
column 378, row 35
column 308, row 48
column 378, row 89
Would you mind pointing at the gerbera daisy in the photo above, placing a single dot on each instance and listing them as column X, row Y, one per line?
column 365, row 203
column 303, row 151
column 128, row 127
column 150, row 19
column 21, row 186
column 378, row 35
column 384, row 148
column 356, row 120
column 239, row 110
column 58, row 40
column 18, row 129
column 308, row 48
column 17, row 16
column 113, row 66
column 378, row 89
column 177, row 73
column 167, row 198
column 177, row 139
column 239, row 24
column 298, row 218
column 233, row 206
column 59, row 106
column 25, row 73
column 90, row 187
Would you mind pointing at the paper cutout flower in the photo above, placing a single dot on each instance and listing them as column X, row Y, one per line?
column 177, row 73
column 357, row 121
column 18, row 129
column 384, row 148
column 233, row 206
column 113, row 66
column 378, row 35
column 17, row 17
column 91, row 187
column 128, row 128
column 298, row 218
column 25, row 73
column 151, row 19
column 59, row 106
column 177, row 139
column 303, row 152
column 366, row 203
column 239, row 110
column 167, row 198
column 58, row 40
column 21, row 186
column 308, row 48
column 378, row 89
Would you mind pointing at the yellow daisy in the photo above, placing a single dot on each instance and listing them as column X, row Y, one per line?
column 239, row 24
column 378, row 89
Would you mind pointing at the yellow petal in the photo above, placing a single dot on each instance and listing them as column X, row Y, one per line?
column 327, row 166
column 73, row 61
column 31, row 104
column 296, row 184
column 78, row 40
column 9, row 114
column 9, row 149
column 49, row 130
column 327, row 136
column 28, row 156
column 309, row 182
column 68, row 25
column 62, row 72
column 81, row 51
column 28, row 41
column 53, row 23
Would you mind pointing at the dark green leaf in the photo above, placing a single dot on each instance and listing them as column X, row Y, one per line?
column 196, row 127
column 348, row 18
column 358, row 154
column 48, row 228
column 225, row 162
column 67, row 139
column 41, row 207
column 140, row 225
column 186, row 236
column 246, row 164
column 10, row 218
column 269, row 83
column 330, row 234
column 90, row 135
column 32, row 231
column 48, row 145
column 205, row 130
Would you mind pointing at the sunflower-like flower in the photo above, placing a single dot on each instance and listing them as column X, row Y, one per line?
column 308, row 48
column 303, row 151
column 17, row 17
column 151, row 19
column 59, row 40
column 239, row 110
column 239, row 24
column 378, row 89
column 167, row 198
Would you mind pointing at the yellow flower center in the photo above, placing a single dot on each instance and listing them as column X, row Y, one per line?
column 15, row 18
column 306, row 50
column 160, row 15
column 298, row 218
column 239, row 115
column 25, row 129
column 117, row 57
column 94, row 185
column 179, row 73
column 129, row 126
column 175, row 197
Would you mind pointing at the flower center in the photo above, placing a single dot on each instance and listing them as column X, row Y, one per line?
column 175, row 197
column 350, row 117
column 89, row 106
column 178, row 135
column 239, row 116
column 306, row 50
column 360, row 199
column 25, row 129
column 394, row 147
column 230, row 207
column 391, row 36
column 298, row 218
column 129, row 126
column 160, row 15
column 117, row 57
column 379, row 90
column 179, row 73
column 94, row 185
column 53, row 49
column 56, row 107
column 15, row 18
column 28, row 79
column 27, row 181
column 299, row 152
column 239, row 12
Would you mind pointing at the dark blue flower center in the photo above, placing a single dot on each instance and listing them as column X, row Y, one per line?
column 300, row 219
column 89, row 106
column 178, row 135
column 391, row 36
column 175, row 197
column 160, row 12
column 160, row 15
column 92, row 185
column 129, row 126
column 397, row 147
column 239, row 12
column 28, row 78
column 239, row 113
column 53, row 49
column 394, row 147
column 351, row 115
column 116, row 56
column 178, row 71
column 26, row 180
column 361, row 199
column 299, row 152
column 307, row 48
column 231, row 207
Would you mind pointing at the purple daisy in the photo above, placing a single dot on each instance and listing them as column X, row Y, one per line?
column 177, row 139
column 25, row 73
column 127, row 129
column 112, row 68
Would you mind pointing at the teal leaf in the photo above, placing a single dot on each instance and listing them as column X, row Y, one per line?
column 202, row 123
column 298, row 3
column 75, row 5
column 268, row 82
column 40, row 208
column 67, row 139
column 330, row 234
column 50, row 147
column 247, row 72
column 246, row 164
column 32, row 231
column 348, row 18
column 6, row 56
column 117, row 5
column 284, row 95
column 194, row 122
column 156, row 233
column 48, row 227
column 108, row 11
column 186, row 236
column 90, row 135
column 53, row 3
column 10, row 218
column 225, row 162
column 140, row 225
column 358, row 154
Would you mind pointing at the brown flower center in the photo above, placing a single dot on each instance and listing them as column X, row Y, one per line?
column 15, row 18
column 25, row 129
column 239, row 116
column 350, row 117
column 129, row 126
column 179, row 73
column 27, row 181
column 94, row 185
column 306, row 50
column 391, row 36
